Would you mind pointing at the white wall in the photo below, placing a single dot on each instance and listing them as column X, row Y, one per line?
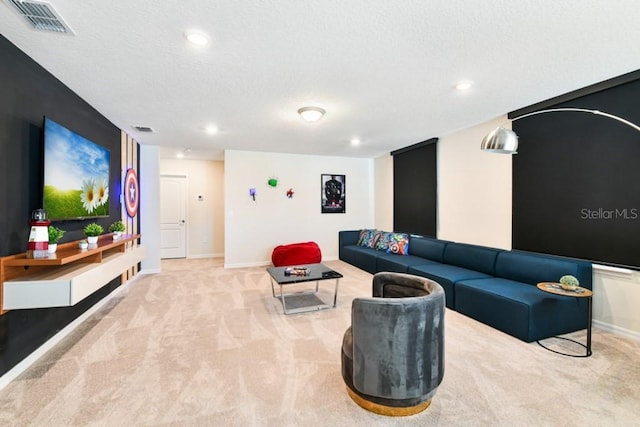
column 254, row 228
column 474, row 206
column 149, row 178
column 383, row 214
column 474, row 189
column 205, row 219
column 615, row 300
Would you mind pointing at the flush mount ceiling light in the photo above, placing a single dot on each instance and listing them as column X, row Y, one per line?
column 197, row 38
column 311, row 114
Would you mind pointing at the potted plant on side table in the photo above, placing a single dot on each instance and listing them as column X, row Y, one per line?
column 55, row 234
column 117, row 228
column 569, row 283
column 92, row 231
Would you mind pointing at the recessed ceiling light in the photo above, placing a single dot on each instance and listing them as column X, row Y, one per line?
column 197, row 38
column 464, row 85
column 355, row 141
column 211, row 129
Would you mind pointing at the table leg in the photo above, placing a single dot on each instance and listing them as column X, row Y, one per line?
column 335, row 294
column 284, row 305
column 588, row 344
column 590, row 318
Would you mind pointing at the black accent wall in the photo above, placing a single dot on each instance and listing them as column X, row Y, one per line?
column 28, row 93
column 415, row 188
column 576, row 180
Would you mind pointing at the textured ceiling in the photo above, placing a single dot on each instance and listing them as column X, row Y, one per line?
column 383, row 70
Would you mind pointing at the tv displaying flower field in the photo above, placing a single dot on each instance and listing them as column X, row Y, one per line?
column 76, row 175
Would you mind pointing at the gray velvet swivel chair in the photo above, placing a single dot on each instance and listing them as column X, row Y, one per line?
column 393, row 353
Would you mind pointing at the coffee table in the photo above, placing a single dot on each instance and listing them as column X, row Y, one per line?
column 303, row 301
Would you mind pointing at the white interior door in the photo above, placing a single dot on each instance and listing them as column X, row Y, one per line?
column 173, row 208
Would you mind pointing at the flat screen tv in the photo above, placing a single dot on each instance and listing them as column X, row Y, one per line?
column 76, row 175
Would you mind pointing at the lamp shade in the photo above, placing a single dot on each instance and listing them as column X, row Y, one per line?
column 500, row 140
column 311, row 114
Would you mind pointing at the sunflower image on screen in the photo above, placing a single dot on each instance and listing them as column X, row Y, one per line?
column 76, row 175
column 333, row 193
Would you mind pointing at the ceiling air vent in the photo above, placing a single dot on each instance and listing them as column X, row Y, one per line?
column 41, row 15
column 143, row 128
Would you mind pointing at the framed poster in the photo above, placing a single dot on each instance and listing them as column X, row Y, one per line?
column 333, row 190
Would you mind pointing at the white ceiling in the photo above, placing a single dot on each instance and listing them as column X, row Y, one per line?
column 384, row 70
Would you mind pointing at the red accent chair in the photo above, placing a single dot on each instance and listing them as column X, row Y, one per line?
column 296, row 253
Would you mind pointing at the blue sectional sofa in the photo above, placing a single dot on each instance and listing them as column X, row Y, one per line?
column 494, row 286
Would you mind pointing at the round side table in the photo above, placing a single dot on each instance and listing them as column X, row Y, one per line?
column 555, row 288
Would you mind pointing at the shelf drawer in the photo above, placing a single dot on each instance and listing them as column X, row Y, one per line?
column 67, row 285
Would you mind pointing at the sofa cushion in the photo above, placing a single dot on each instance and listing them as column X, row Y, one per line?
column 535, row 268
column 472, row 257
column 447, row 276
column 428, row 248
column 399, row 264
column 519, row 309
column 361, row 257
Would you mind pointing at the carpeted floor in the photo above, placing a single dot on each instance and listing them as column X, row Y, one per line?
column 198, row 345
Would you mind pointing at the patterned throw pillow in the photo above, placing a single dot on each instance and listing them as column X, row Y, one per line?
column 381, row 240
column 366, row 238
column 399, row 244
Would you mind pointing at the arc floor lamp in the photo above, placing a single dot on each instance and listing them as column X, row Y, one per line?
column 505, row 141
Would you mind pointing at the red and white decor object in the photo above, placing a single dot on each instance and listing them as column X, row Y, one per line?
column 38, row 246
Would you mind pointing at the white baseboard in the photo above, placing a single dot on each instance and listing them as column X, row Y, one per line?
column 617, row 330
column 268, row 263
column 25, row 363
column 199, row 256
column 150, row 271
column 248, row 264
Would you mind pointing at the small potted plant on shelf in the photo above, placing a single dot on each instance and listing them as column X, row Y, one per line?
column 92, row 231
column 55, row 234
column 117, row 228
column 569, row 283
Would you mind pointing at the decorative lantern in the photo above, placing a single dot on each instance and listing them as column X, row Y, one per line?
column 38, row 246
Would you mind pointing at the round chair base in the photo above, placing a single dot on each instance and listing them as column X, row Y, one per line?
column 390, row 411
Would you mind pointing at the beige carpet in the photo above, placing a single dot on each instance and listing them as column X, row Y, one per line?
column 198, row 345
